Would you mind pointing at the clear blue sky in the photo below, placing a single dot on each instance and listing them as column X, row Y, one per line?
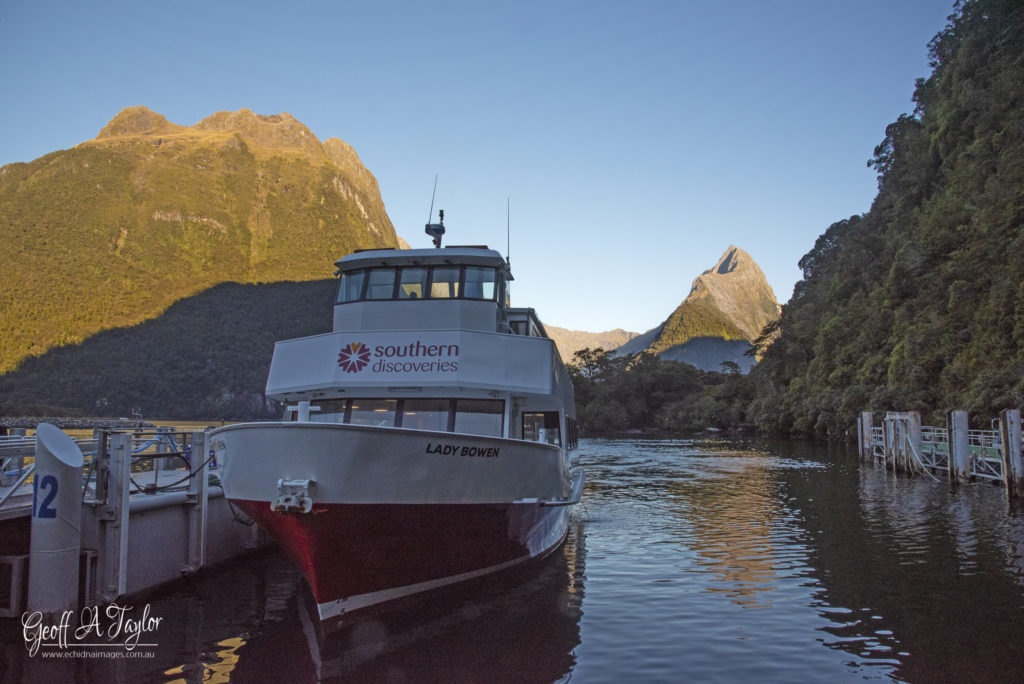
column 637, row 140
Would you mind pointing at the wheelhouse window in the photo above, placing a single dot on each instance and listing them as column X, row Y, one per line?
column 480, row 417
column 480, row 283
column 542, row 427
column 377, row 412
column 351, row 289
column 425, row 414
column 381, row 284
column 445, row 283
column 412, row 283
column 419, row 282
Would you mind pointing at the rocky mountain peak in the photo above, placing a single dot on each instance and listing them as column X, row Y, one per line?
column 138, row 121
column 276, row 131
column 730, row 260
column 737, row 287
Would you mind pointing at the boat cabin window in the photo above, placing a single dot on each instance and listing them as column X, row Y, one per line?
column 425, row 414
column 378, row 412
column 381, row 284
column 351, row 289
column 467, row 416
column 445, row 283
column 412, row 283
column 331, row 411
column 480, row 416
column 542, row 427
column 480, row 283
column 419, row 282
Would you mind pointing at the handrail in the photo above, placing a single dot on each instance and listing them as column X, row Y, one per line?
column 21, row 480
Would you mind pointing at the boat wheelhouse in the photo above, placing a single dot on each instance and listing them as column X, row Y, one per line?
column 428, row 439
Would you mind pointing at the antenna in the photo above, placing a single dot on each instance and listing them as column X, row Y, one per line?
column 435, row 230
column 508, row 230
column 431, row 214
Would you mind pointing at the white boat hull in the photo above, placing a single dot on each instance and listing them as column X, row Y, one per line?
column 373, row 514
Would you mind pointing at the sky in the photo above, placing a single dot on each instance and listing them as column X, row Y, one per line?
column 616, row 148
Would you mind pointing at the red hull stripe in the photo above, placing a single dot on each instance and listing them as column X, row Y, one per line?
column 377, row 552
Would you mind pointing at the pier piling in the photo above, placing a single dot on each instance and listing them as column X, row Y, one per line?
column 56, row 523
column 1013, row 463
column 958, row 447
column 864, row 435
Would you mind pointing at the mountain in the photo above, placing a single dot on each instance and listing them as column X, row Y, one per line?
column 569, row 342
column 919, row 303
column 113, row 231
column 727, row 308
column 205, row 358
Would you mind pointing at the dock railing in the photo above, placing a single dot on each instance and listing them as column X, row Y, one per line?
column 152, row 510
column 159, row 455
column 904, row 445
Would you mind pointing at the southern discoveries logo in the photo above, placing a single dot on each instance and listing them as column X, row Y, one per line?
column 354, row 357
column 414, row 357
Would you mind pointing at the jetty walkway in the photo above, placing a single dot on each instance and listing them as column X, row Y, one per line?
column 964, row 455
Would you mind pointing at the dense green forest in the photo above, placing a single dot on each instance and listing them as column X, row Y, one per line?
column 644, row 392
column 919, row 304
column 916, row 305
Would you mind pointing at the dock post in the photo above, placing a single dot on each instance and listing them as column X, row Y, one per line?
column 958, row 447
column 914, row 442
column 198, row 500
column 114, row 556
column 887, row 440
column 1013, row 463
column 896, row 447
column 865, row 435
column 56, row 523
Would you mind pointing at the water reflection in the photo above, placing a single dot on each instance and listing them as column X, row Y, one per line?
column 789, row 561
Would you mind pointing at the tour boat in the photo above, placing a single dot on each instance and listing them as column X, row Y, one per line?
column 429, row 439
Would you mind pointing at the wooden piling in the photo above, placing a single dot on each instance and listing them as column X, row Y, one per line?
column 1013, row 463
column 865, row 436
column 958, row 447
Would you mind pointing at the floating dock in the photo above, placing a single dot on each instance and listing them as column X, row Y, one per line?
column 87, row 521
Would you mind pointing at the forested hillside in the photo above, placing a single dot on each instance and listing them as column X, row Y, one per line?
column 113, row 231
column 205, row 358
column 919, row 304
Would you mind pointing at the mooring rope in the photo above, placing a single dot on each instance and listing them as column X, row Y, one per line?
column 920, row 461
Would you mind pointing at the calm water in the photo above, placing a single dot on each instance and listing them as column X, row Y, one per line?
column 692, row 560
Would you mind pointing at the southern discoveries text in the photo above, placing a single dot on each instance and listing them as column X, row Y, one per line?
column 418, row 350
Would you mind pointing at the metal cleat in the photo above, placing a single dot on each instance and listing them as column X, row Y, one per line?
column 293, row 496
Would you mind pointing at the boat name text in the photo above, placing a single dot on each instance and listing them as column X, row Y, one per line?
column 462, row 450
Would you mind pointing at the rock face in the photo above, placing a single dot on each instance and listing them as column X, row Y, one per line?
column 726, row 309
column 571, row 341
column 736, row 286
column 114, row 230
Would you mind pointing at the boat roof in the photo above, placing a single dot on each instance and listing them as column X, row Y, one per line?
column 470, row 255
